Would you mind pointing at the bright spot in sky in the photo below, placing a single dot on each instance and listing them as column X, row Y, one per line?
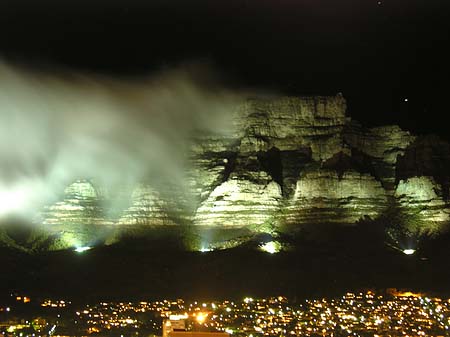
column 406, row 100
column 271, row 247
column 82, row 249
column 409, row 251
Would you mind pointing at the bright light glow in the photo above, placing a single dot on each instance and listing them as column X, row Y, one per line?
column 11, row 201
column 409, row 251
column 201, row 317
column 407, row 294
column 82, row 249
column 178, row 317
column 271, row 247
column 205, row 249
column 248, row 300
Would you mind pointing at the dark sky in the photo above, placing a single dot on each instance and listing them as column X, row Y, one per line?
column 378, row 53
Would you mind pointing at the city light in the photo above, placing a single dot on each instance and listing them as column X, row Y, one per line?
column 248, row 299
column 201, row 317
column 82, row 249
column 392, row 313
column 409, row 251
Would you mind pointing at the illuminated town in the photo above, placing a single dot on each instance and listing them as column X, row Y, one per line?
column 391, row 313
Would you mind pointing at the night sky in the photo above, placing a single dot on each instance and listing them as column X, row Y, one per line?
column 389, row 58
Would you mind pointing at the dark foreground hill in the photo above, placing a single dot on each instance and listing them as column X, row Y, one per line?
column 136, row 270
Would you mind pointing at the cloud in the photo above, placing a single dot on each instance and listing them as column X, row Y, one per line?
column 55, row 129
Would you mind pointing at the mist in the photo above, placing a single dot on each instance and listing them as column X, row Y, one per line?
column 60, row 127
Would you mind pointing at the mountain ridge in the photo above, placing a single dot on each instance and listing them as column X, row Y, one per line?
column 286, row 162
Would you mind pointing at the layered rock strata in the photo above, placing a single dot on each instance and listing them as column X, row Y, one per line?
column 322, row 195
column 422, row 204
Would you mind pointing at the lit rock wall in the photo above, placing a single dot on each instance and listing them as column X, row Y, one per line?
column 147, row 208
column 290, row 123
column 285, row 162
column 241, row 201
column 422, row 205
column 81, row 204
column 74, row 221
column 427, row 156
column 324, row 196
column 381, row 146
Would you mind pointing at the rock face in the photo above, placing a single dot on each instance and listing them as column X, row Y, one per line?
column 290, row 124
column 422, row 203
column 239, row 201
column 324, row 195
column 286, row 162
column 82, row 203
column 381, row 147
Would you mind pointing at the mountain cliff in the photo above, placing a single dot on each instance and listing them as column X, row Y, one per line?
column 286, row 163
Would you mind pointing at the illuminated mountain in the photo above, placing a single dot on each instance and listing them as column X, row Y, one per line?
column 286, row 163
